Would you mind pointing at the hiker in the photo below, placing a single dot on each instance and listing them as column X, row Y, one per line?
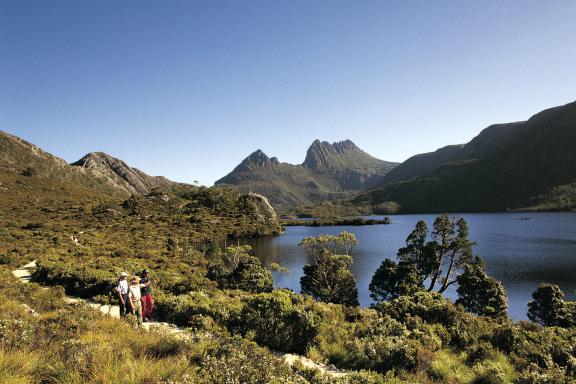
column 122, row 290
column 135, row 297
column 147, row 303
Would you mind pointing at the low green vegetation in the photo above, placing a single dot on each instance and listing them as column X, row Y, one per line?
column 44, row 340
column 234, row 317
column 327, row 211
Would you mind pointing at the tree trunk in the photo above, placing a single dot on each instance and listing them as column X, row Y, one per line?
column 433, row 282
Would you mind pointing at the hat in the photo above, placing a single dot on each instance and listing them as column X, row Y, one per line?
column 123, row 274
column 145, row 272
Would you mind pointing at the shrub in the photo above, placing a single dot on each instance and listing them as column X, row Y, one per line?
column 184, row 309
column 83, row 281
column 29, row 172
column 33, row 226
column 278, row 320
column 236, row 269
column 240, row 361
column 5, row 259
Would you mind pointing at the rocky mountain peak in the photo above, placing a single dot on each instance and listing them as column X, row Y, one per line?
column 118, row 173
column 99, row 159
column 257, row 159
column 322, row 154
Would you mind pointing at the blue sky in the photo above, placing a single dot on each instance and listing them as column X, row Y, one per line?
column 187, row 89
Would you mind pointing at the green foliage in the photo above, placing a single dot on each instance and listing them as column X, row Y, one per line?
column 450, row 250
column 278, row 268
column 279, row 320
column 386, row 208
column 548, row 307
column 419, row 253
column 184, row 309
column 481, row 294
column 82, row 281
column 329, row 279
column 392, row 280
column 236, row 269
column 242, row 362
column 5, row 259
column 317, row 245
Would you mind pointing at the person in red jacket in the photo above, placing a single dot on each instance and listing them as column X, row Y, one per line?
column 147, row 302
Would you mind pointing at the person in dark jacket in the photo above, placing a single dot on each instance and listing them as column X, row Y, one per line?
column 147, row 302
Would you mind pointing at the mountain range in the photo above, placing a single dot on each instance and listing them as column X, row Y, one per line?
column 329, row 171
column 527, row 165
column 521, row 165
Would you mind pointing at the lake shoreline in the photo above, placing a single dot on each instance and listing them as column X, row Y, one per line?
column 356, row 221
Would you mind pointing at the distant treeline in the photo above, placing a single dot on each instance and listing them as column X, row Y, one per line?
column 335, row 222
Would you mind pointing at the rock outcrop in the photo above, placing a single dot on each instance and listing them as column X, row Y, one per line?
column 119, row 174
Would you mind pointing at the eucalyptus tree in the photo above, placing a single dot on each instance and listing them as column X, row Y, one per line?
column 444, row 257
column 433, row 264
column 328, row 278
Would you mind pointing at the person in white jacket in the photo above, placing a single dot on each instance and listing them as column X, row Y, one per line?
column 122, row 290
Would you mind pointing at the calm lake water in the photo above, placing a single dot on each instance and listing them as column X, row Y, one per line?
column 519, row 253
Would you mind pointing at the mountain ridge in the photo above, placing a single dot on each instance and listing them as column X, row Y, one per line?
column 95, row 170
column 329, row 170
column 528, row 164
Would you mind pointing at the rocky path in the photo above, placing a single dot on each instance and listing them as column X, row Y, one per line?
column 24, row 274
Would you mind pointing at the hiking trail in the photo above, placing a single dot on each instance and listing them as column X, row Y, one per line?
column 24, row 274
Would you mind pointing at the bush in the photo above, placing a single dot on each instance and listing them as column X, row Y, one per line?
column 33, row 226
column 278, row 320
column 184, row 309
column 236, row 269
column 29, row 172
column 82, row 281
column 5, row 259
column 239, row 361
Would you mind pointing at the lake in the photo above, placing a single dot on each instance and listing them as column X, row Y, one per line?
column 519, row 253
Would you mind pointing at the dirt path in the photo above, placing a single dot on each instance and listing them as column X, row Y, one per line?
column 24, row 274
